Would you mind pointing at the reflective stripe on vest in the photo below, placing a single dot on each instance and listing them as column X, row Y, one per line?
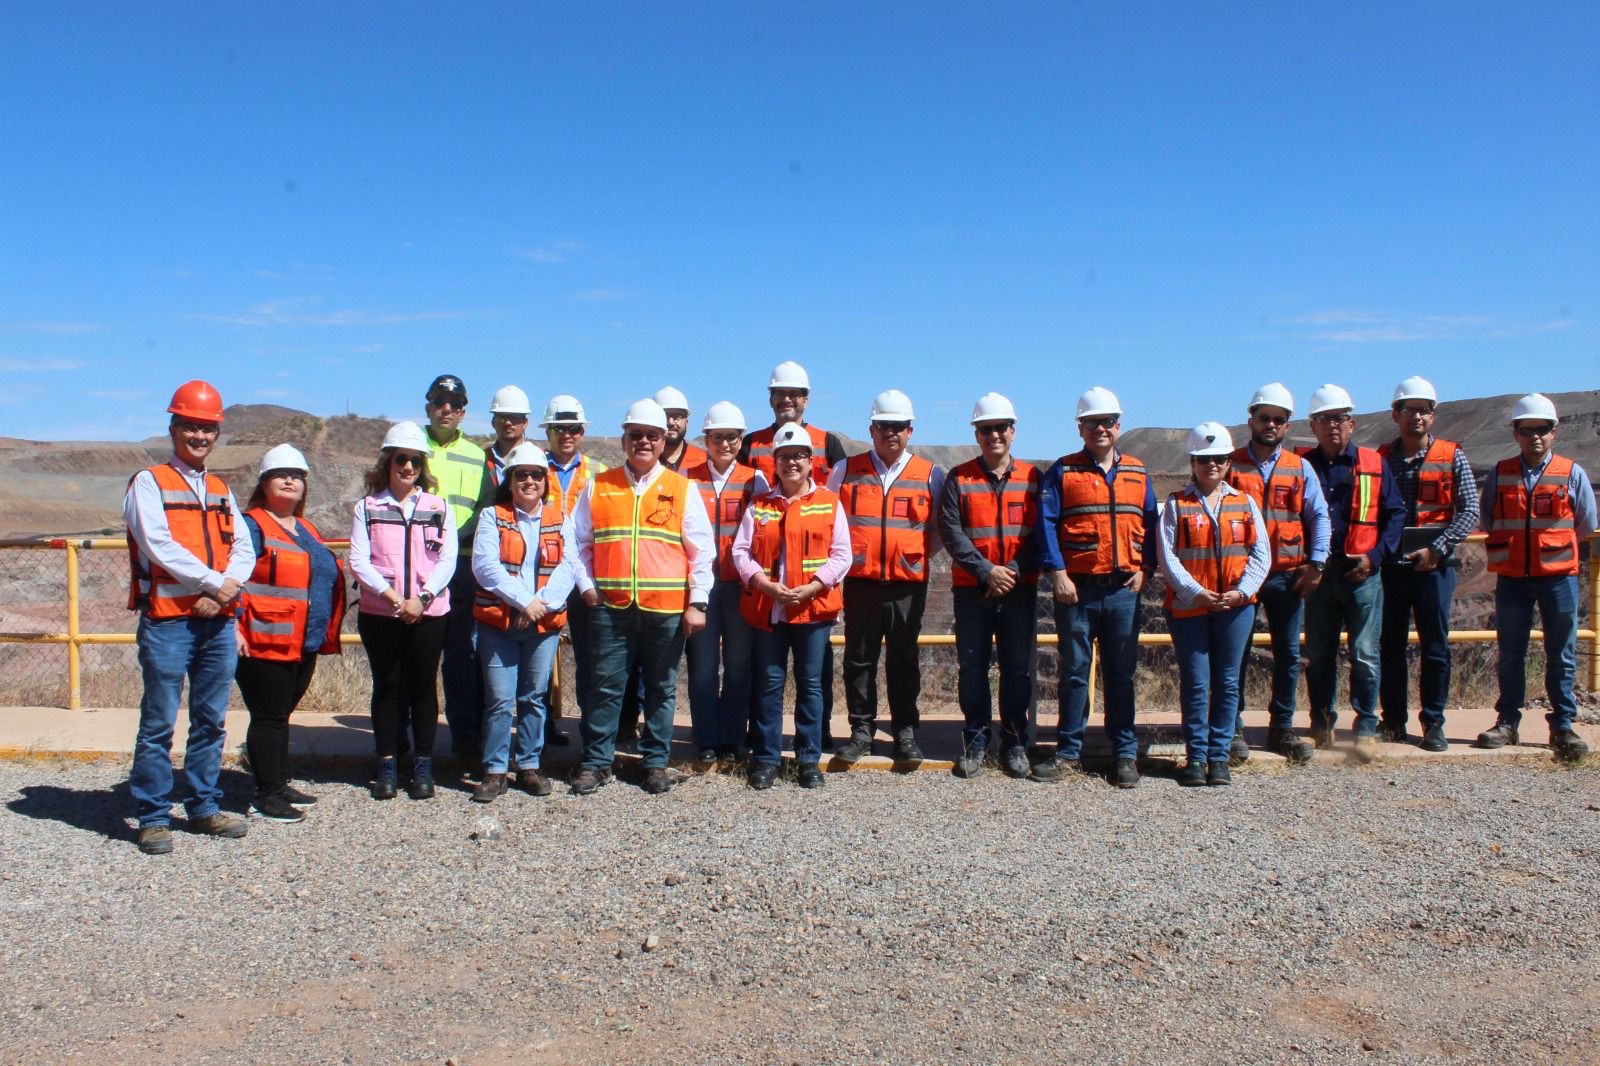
column 760, row 453
column 458, row 467
column 639, row 552
column 1366, row 490
column 204, row 528
column 1101, row 527
column 725, row 508
column 888, row 530
column 1216, row 564
column 491, row 609
column 1436, row 484
column 799, row 530
column 277, row 600
column 1281, row 499
column 405, row 551
column 998, row 519
column 1533, row 535
column 564, row 500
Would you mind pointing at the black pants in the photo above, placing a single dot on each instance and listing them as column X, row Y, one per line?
column 272, row 689
column 396, row 650
column 887, row 613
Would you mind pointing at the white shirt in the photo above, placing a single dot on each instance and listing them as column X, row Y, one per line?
column 146, row 520
column 699, row 539
column 518, row 590
column 1185, row 588
column 360, row 557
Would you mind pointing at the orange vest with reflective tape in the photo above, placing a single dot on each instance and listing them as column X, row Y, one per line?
column 693, row 455
column 204, row 528
column 640, row 555
column 1216, row 563
column 1366, row 490
column 565, row 500
column 998, row 519
column 1101, row 528
column 277, row 596
column 1436, row 483
column 760, row 453
column 1281, row 498
column 491, row 609
column 725, row 509
column 1533, row 535
column 888, row 530
column 801, row 531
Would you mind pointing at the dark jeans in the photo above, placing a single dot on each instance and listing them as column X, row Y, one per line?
column 1358, row 609
column 399, row 652
column 1284, row 610
column 719, row 672
column 882, row 614
column 463, row 681
column 1426, row 596
column 1109, row 615
column 1557, row 600
column 806, row 640
column 988, row 627
column 623, row 639
column 272, row 690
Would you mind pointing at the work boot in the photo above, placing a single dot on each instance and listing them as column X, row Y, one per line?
column 384, row 785
column 1194, row 773
column 855, row 749
column 762, row 775
column 1016, row 763
column 1567, row 745
column 1296, row 749
column 1392, row 732
column 656, row 781
column 1054, row 768
column 1219, row 773
column 970, row 762
column 1126, row 774
column 810, row 776
column 587, row 782
column 220, row 824
column 155, row 840
column 1322, row 739
column 533, row 782
column 1366, row 749
column 906, row 748
column 1238, row 750
column 421, row 787
column 1433, row 739
column 489, row 789
column 1502, row 734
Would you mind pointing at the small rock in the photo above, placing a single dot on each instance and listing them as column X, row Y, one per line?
column 675, row 878
column 486, row 827
column 652, row 942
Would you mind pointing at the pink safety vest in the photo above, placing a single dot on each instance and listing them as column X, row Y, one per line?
column 405, row 552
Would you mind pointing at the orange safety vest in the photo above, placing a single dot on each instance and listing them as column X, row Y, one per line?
column 1101, row 528
column 202, row 527
column 277, row 596
column 1436, row 483
column 1216, row 565
column 491, row 609
column 1281, row 498
column 997, row 519
column 565, row 501
column 1366, row 490
column 1533, row 536
column 802, row 532
column 693, row 455
column 724, row 508
column 888, row 530
column 640, row 555
column 760, row 454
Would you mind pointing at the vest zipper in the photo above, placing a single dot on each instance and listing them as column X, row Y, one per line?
column 1111, row 487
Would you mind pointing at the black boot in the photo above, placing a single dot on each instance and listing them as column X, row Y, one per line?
column 383, row 785
column 421, row 787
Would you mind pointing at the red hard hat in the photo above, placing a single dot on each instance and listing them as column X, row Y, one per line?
column 196, row 400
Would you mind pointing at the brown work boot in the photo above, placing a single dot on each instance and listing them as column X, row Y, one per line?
column 221, row 824
column 533, row 782
column 1502, row 734
column 489, row 789
column 155, row 840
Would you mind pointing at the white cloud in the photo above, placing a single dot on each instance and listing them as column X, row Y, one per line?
column 44, row 363
column 1354, row 326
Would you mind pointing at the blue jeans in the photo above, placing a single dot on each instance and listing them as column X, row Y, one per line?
column 1111, row 617
column 1284, row 610
column 986, row 628
column 516, row 677
column 1358, row 608
column 203, row 650
column 1426, row 597
column 622, row 638
column 808, row 641
column 720, row 719
column 1209, row 647
column 463, row 683
column 1557, row 599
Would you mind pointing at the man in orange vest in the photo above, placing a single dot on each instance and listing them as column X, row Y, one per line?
column 889, row 497
column 680, row 452
column 1365, row 516
column 188, row 566
column 1440, row 495
column 1541, row 507
column 645, row 553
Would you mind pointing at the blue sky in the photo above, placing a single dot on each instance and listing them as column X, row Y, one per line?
column 324, row 205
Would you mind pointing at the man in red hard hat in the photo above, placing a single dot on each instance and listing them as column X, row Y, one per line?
column 187, row 569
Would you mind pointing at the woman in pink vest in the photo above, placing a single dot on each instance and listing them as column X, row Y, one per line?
column 403, row 554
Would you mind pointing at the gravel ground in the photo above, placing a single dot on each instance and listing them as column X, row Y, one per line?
column 1415, row 913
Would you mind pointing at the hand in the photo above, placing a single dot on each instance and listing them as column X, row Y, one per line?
column 1001, row 580
column 409, row 611
column 1207, row 599
column 1229, row 600
column 1425, row 559
column 238, row 642
column 1062, row 588
column 519, row 621
column 776, row 590
column 1137, row 582
column 229, row 591
column 590, row 597
column 535, row 611
column 1359, row 571
column 808, row 592
column 1306, row 580
column 694, row 620
column 206, row 607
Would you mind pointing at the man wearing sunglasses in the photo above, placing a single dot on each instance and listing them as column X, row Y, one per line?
column 1541, row 506
column 1289, row 497
column 1440, row 494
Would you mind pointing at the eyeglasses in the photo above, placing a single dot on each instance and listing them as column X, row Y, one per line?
column 787, row 394
column 724, row 439
column 1419, row 411
column 994, row 429
column 1534, row 431
column 407, row 460
column 566, row 430
column 1108, row 422
column 447, row 401
column 523, row 473
column 514, row 420
column 793, row 457
column 1271, row 420
column 636, row 435
column 1332, row 419
column 892, row 427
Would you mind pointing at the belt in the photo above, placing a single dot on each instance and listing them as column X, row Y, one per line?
column 1115, row 580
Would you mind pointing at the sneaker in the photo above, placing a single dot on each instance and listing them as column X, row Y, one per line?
column 1016, row 763
column 1568, row 745
column 1296, row 749
column 762, row 775
column 1194, row 773
column 906, row 748
column 296, row 797
column 810, row 776
column 1054, row 768
column 1498, row 737
column 221, row 824
column 155, row 840
column 853, row 750
column 1238, row 750
column 970, row 763
column 275, row 807
column 656, row 781
column 586, row 782
column 1126, row 774
column 421, row 787
column 489, row 789
column 1433, row 739
column 1366, row 748
column 1219, row 773
column 1392, row 733
column 533, row 782
column 1322, row 739
column 384, row 784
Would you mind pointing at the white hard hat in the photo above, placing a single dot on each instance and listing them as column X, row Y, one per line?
column 407, row 435
column 646, row 413
column 891, row 405
column 671, row 399
column 1330, row 398
column 509, row 400
column 789, row 375
column 1210, row 438
column 791, row 435
column 284, row 457
column 1534, row 405
column 1273, row 394
column 993, row 407
column 1414, row 388
column 723, row 415
column 526, row 454
column 563, row 410
column 1098, row 401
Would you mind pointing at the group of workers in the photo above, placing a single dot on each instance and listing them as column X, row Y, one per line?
column 744, row 553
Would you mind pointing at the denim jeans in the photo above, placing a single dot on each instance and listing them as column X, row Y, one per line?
column 1425, row 596
column 1111, row 617
column 1284, row 610
column 621, row 638
column 720, row 713
column 1557, row 599
column 203, row 650
column 1357, row 608
column 463, row 682
column 1208, row 648
column 808, row 642
column 988, row 628
column 516, row 677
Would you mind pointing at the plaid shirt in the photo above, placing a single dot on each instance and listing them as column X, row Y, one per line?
column 1405, row 467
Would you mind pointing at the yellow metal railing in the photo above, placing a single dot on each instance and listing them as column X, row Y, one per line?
column 75, row 639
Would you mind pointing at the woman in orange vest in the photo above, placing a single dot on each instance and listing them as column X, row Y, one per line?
column 1214, row 556
column 290, row 613
column 791, row 552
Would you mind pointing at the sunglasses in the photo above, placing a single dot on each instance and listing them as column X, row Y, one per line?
column 1331, row 420
column 1535, row 431
column 893, row 427
column 510, row 419
column 637, row 435
column 202, row 429
column 523, row 473
column 1108, row 422
column 448, row 401
column 408, row 460
column 1209, row 460
column 995, row 429
column 722, row 438
column 569, row 431
column 1272, row 420
column 1428, row 410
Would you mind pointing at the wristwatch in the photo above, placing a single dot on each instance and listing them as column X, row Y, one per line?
column 698, row 606
column 1318, row 567
column 426, row 598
